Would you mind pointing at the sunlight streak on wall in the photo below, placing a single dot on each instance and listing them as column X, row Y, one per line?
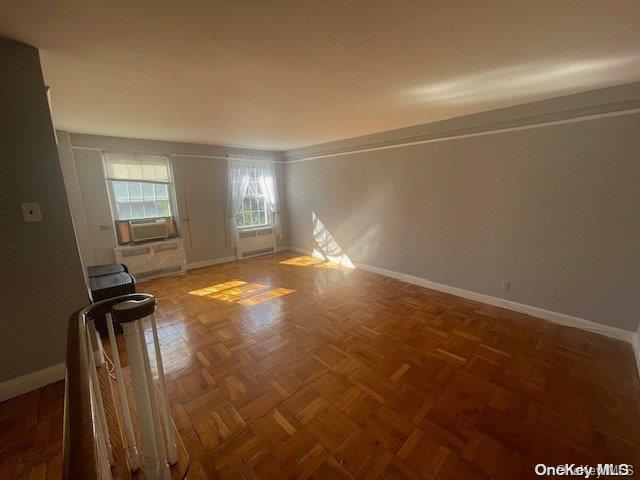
column 326, row 246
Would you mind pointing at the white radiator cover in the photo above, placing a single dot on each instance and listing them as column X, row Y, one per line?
column 254, row 243
column 152, row 260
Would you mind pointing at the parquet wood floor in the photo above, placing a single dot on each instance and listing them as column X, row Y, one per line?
column 284, row 367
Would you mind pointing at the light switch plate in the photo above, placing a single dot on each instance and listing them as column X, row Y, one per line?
column 31, row 212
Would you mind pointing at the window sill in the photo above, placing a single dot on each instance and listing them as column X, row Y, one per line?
column 255, row 229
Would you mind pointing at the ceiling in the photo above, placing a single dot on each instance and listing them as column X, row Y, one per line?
column 285, row 74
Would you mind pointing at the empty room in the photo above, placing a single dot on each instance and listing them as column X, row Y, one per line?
column 275, row 239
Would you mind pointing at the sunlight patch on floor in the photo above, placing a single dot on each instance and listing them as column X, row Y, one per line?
column 303, row 261
column 233, row 294
column 207, row 291
column 244, row 293
column 313, row 261
column 266, row 296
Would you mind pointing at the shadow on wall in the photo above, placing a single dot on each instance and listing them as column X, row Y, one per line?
column 325, row 246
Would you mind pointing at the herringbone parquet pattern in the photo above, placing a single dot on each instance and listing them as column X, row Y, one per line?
column 285, row 367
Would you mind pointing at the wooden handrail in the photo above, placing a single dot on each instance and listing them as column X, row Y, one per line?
column 80, row 459
column 79, row 445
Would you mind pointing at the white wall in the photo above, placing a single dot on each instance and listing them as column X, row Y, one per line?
column 206, row 181
column 41, row 282
column 554, row 210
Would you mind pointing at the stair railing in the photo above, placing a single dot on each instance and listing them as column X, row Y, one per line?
column 88, row 440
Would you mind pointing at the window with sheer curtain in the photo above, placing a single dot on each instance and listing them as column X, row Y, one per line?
column 253, row 212
column 252, row 196
column 140, row 186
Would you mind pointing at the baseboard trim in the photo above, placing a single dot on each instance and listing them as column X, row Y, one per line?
column 213, row 261
column 549, row 315
column 230, row 258
column 31, row 381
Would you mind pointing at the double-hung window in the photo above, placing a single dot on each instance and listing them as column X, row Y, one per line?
column 253, row 212
column 140, row 186
column 252, row 201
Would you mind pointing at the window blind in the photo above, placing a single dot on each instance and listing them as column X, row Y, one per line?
column 136, row 167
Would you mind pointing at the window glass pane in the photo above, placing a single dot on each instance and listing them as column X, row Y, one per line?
column 120, row 190
column 162, row 173
column 120, row 170
column 161, row 191
column 148, row 191
column 137, row 210
column 163, row 208
column 149, row 172
column 150, row 209
column 135, row 190
column 135, row 171
column 123, row 211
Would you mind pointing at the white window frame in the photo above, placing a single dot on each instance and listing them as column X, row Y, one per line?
column 170, row 184
column 251, row 193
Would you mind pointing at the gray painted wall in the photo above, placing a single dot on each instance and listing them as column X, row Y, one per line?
column 554, row 210
column 207, row 185
column 41, row 280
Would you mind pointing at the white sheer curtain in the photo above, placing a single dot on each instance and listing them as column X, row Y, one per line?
column 240, row 174
column 238, row 181
column 267, row 180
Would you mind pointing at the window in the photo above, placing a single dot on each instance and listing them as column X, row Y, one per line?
column 253, row 211
column 252, row 197
column 140, row 186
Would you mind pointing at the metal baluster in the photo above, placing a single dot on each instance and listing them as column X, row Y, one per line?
column 134, row 459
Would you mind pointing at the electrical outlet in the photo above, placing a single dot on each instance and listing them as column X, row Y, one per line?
column 506, row 285
column 31, row 212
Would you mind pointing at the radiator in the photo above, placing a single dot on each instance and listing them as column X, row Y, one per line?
column 256, row 242
column 152, row 260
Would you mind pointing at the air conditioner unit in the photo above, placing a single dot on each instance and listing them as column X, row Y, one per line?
column 257, row 242
column 153, row 230
column 151, row 260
